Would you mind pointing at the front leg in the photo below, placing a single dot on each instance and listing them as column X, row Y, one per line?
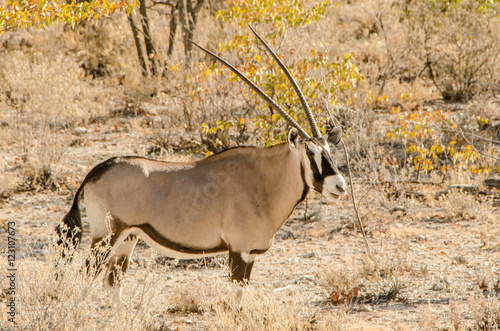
column 240, row 267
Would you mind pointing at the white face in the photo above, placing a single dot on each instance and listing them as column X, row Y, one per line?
column 321, row 174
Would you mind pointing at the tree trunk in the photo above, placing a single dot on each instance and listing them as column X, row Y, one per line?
column 173, row 30
column 188, row 17
column 148, row 41
column 138, row 46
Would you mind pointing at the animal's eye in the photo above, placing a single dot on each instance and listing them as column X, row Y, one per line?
column 308, row 151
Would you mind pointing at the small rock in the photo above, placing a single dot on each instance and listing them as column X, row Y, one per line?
column 461, row 260
column 421, row 237
column 366, row 308
column 79, row 130
column 310, row 255
column 2, row 231
column 439, row 286
column 285, row 233
column 188, row 322
column 309, row 278
column 398, row 225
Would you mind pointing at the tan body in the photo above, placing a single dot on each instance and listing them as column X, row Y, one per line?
column 205, row 204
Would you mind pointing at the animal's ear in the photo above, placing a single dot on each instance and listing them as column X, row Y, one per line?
column 334, row 135
column 293, row 137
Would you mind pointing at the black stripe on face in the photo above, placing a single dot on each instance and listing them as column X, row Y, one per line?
column 175, row 246
column 305, row 190
column 318, row 179
column 329, row 169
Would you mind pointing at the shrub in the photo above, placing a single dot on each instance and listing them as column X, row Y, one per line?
column 456, row 44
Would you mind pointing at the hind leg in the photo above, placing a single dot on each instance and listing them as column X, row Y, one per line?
column 99, row 254
column 117, row 265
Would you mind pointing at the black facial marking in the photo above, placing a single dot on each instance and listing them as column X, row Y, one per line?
column 318, row 179
column 305, row 190
column 329, row 169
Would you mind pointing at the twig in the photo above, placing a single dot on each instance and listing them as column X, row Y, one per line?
column 465, row 188
column 474, row 148
column 461, row 132
column 354, row 200
column 494, row 141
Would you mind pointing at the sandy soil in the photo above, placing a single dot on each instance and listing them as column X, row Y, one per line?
column 435, row 259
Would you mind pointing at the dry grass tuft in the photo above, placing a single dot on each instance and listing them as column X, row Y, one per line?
column 263, row 310
column 460, row 204
column 42, row 105
column 370, row 280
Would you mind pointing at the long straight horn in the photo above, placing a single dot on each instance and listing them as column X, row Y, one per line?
column 303, row 101
column 261, row 93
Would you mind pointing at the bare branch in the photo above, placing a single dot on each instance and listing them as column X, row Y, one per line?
column 353, row 198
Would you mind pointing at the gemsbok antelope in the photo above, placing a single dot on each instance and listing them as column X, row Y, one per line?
column 233, row 202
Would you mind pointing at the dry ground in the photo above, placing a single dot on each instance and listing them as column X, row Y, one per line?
column 439, row 263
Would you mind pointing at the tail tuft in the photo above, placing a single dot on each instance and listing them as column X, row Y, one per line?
column 70, row 229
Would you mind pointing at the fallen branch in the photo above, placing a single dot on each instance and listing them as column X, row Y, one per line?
column 354, row 199
column 462, row 187
column 492, row 182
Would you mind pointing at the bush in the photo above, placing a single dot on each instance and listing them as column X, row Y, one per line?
column 456, row 44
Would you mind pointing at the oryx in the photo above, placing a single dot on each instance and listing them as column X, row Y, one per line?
column 233, row 202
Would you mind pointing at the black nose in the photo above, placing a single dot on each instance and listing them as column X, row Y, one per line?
column 340, row 188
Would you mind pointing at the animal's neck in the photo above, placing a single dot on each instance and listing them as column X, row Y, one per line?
column 284, row 179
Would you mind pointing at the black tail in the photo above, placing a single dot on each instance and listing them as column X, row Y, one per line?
column 70, row 230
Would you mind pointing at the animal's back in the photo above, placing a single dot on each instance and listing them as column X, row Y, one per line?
column 184, row 200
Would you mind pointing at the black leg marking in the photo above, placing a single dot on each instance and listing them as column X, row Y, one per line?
column 116, row 264
column 101, row 247
column 99, row 254
column 239, row 269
